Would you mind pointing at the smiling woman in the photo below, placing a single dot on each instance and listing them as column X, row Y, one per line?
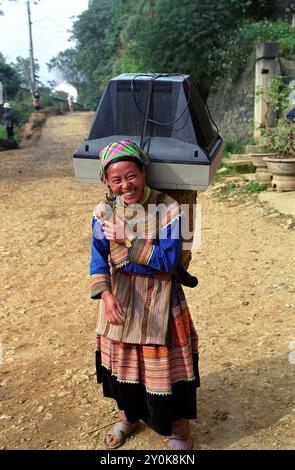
column 146, row 358
column 126, row 179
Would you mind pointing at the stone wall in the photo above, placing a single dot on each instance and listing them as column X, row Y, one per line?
column 282, row 4
column 232, row 105
column 288, row 68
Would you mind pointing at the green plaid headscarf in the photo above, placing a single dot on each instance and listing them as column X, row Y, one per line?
column 125, row 150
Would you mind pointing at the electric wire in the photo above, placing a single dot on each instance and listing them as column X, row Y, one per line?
column 43, row 44
column 155, row 77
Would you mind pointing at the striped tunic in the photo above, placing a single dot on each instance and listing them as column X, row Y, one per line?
column 157, row 367
column 155, row 351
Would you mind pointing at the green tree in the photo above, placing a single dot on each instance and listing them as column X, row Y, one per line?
column 239, row 44
column 188, row 36
column 10, row 79
column 65, row 62
column 23, row 68
column 89, row 63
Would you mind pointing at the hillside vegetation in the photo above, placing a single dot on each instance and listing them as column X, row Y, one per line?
column 207, row 39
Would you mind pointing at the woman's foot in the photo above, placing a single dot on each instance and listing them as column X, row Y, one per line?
column 116, row 437
column 181, row 438
column 180, row 444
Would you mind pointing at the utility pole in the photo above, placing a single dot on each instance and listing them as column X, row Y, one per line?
column 32, row 64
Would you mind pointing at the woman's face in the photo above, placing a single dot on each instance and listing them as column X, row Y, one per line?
column 126, row 179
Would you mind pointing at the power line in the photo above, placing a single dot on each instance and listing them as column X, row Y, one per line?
column 41, row 18
column 42, row 43
column 37, row 47
column 33, row 23
column 50, row 29
column 9, row 4
column 12, row 27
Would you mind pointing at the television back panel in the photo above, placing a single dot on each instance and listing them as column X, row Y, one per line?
column 182, row 144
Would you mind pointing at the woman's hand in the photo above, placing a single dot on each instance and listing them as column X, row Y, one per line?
column 114, row 231
column 100, row 210
column 113, row 309
column 118, row 231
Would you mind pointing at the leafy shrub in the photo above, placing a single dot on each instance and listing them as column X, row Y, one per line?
column 3, row 134
column 233, row 146
column 276, row 96
column 255, row 187
column 238, row 44
column 230, row 186
column 282, row 139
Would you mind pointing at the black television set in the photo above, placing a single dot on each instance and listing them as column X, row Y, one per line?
column 164, row 114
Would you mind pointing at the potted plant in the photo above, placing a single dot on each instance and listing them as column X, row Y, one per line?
column 258, row 154
column 275, row 95
column 282, row 164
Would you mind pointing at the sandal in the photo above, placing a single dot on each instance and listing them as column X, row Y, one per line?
column 119, row 433
column 175, row 443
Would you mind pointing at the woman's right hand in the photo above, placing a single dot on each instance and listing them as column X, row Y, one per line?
column 113, row 309
column 100, row 210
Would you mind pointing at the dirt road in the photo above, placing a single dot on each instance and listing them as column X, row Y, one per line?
column 243, row 309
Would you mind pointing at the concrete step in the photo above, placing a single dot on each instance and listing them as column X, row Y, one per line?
column 238, row 156
column 241, row 166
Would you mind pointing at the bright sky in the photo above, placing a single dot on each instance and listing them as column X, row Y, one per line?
column 51, row 22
